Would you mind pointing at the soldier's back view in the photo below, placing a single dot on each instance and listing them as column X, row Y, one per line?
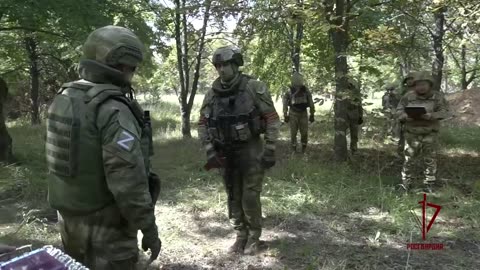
column 98, row 150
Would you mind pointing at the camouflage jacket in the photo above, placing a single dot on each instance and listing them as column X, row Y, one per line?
column 435, row 104
column 251, row 106
column 110, row 167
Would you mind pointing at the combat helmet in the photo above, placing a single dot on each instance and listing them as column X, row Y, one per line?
column 390, row 86
column 297, row 79
column 228, row 54
column 113, row 45
column 423, row 76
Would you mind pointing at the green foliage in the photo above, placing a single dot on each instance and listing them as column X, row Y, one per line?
column 309, row 197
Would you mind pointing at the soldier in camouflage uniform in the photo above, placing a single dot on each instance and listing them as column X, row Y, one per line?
column 389, row 103
column 407, row 85
column 235, row 112
column 298, row 98
column 421, row 132
column 98, row 150
column 354, row 113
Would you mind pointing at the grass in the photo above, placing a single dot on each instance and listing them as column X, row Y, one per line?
column 318, row 214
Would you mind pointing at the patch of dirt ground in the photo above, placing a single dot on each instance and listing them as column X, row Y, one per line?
column 464, row 106
column 198, row 240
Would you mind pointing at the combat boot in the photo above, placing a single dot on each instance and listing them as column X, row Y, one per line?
column 239, row 244
column 304, row 148
column 254, row 246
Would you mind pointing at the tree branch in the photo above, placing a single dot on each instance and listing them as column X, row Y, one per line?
column 15, row 28
column 418, row 21
column 199, row 55
column 455, row 59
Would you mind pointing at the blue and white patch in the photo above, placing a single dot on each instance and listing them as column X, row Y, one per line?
column 126, row 140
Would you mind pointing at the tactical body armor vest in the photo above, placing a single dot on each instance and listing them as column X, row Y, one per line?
column 420, row 126
column 234, row 118
column 299, row 99
column 74, row 146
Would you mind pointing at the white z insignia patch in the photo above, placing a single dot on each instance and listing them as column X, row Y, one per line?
column 126, row 140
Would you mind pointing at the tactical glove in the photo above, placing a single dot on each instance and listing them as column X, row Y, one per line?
column 154, row 186
column 268, row 158
column 360, row 120
column 286, row 118
column 151, row 241
column 312, row 118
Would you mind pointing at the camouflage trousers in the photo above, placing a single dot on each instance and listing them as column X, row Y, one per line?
column 245, row 207
column 298, row 122
column 421, row 147
column 100, row 241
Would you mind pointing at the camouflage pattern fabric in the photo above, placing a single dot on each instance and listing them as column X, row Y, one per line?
column 354, row 115
column 246, row 171
column 421, row 148
column 298, row 122
column 247, row 174
column 421, row 133
column 295, row 101
column 100, row 240
column 101, row 189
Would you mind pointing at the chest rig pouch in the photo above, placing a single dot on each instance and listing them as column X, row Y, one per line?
column 299, row 99
column 234, row 118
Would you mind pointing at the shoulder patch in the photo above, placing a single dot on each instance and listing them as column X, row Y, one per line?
column 125, row 140
column 127, row 121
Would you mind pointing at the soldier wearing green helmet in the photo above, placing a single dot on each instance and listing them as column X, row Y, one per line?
column 354, row 113
column 234, row 114
column 389, row 103
column 296, row 100
column 407, row 85
column 421, row 111
column 98, row 150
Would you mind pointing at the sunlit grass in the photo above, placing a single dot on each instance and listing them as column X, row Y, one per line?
column 359, row 194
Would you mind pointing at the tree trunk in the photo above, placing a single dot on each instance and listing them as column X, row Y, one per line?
column 339, row 35
column 31, row 47
column 437, row 35
column 463, row 67
column 186, row 128
column 6, row 154
column 198, row 64
column 181, row 38
column 298, row 38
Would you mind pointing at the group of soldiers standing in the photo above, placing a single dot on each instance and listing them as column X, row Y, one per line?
column 99, row 147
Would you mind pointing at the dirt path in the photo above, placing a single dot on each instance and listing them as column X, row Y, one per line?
column 198, row 241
